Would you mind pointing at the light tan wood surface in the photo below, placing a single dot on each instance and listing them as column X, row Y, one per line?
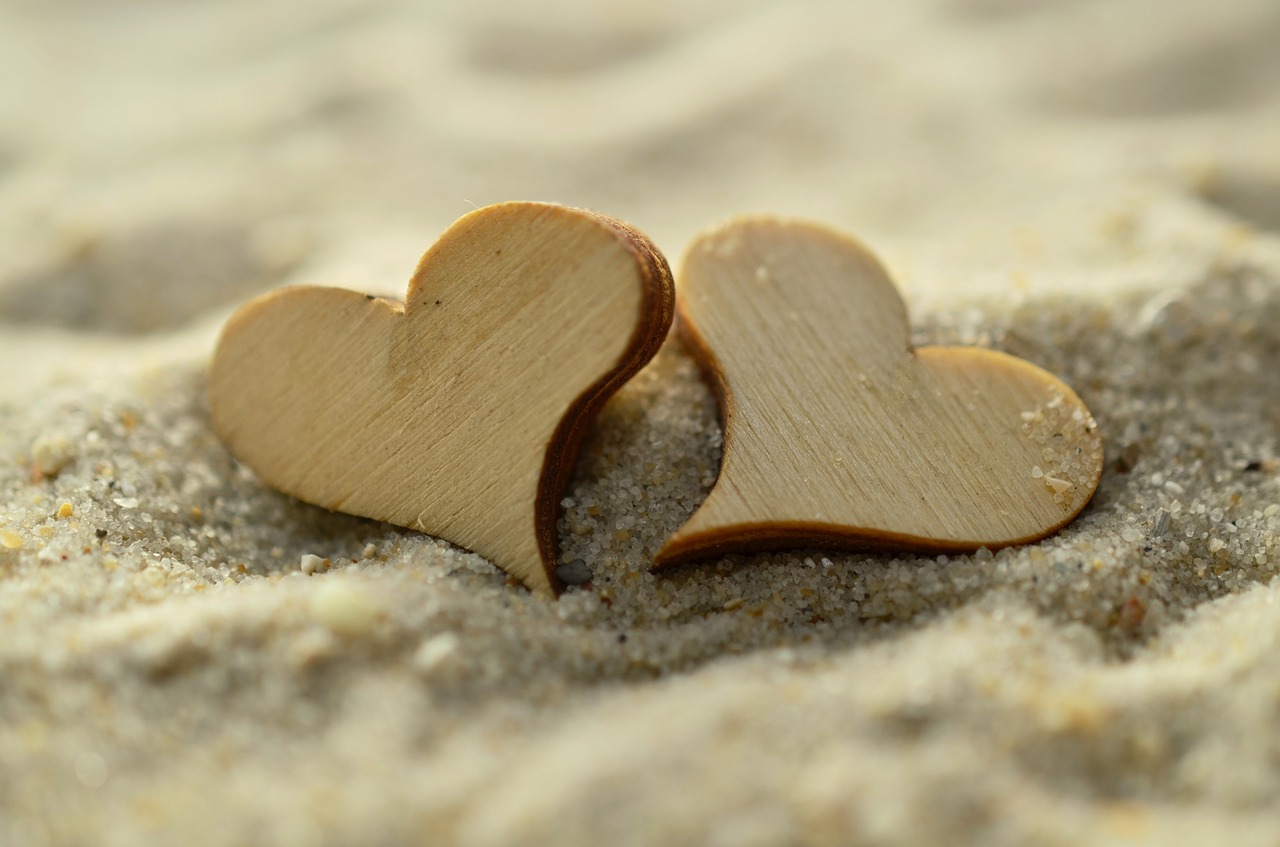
column 838, row 434
column 460, row 412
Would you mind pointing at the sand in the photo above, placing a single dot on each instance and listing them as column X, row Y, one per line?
column 1093, row 186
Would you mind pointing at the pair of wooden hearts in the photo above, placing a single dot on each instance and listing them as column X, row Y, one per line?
column 460, row 412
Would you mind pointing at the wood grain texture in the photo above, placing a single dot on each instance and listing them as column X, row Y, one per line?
column 839, row 434
column 459, row 412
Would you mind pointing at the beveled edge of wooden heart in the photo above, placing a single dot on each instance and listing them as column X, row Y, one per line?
column 800, row 535
column 797, row 535
column 658, row 298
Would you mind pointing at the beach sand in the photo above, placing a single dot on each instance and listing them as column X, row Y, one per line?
column 1092, row 186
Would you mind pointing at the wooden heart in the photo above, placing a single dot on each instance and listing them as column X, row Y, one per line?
column 838, row 434
column 460, row 412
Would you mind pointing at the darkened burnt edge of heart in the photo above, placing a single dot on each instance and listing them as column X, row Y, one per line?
column 657, row 307
column 800, row 535
column 708, row 366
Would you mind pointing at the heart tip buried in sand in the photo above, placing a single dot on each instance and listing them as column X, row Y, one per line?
column 839, row 435
column 460, row 414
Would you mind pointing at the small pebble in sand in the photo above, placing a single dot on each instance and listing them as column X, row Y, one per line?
column 344, row 608
column 436, row 651
column 1057, row 485
column 91, row 770
column 1128, row 458
column 10, row 540
column 312, row 563
column 66, row 510
column 574, row 573
column 50, row 454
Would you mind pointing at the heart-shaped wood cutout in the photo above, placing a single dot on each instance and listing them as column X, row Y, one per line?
column 460, row 412
column 838, row 434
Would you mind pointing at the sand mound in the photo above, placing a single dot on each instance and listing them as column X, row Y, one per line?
column 1090, row 186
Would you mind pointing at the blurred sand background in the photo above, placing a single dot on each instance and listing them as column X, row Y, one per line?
column 1091, row 184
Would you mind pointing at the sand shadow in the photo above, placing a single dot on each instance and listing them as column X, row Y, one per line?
column 151, row 280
